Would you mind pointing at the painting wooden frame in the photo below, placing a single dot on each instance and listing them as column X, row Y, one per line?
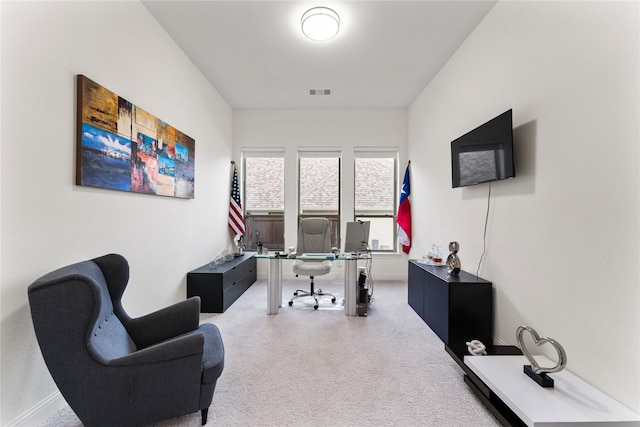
column 122, row 147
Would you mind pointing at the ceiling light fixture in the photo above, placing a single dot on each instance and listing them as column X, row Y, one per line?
column 320, row 23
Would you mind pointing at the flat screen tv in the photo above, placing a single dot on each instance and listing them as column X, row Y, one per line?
column 485, row 154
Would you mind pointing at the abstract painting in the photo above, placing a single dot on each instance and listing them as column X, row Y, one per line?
column 122, row 147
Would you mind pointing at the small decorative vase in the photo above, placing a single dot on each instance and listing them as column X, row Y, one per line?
column 453, row 262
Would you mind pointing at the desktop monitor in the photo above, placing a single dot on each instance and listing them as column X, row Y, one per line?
column 357, row 236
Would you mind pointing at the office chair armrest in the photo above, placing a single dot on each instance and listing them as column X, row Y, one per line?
column 165, row 323
column 174, row 349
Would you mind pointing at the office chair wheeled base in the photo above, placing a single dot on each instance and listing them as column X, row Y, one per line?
column 300, row 293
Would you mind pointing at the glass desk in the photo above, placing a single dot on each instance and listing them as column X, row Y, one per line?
column 274, row 280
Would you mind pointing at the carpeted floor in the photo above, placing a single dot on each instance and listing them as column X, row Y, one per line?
column 320, row 368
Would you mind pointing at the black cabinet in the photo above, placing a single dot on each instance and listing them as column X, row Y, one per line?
column 457, row 308
column 416, row 288
column 219, row 287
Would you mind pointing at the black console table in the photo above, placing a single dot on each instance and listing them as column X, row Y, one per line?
column 221, row 286
column 457, row 308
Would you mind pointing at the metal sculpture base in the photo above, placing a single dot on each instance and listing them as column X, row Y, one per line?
column 543, row 380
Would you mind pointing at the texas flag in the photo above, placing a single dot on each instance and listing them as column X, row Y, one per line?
column 404, row 214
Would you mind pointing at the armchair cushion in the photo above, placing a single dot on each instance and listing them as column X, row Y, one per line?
column 166, row 323
column 213, row 361
column 167, row 351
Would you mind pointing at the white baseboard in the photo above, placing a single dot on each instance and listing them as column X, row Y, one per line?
column 41, row 412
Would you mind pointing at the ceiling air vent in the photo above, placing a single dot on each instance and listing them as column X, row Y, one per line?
column 319, row 92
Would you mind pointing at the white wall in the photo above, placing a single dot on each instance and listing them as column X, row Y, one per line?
column 563, row 237
column 47, row 221
column 346, row 128
column 562, row 247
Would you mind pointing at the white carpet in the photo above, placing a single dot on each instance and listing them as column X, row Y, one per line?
column 304, row 367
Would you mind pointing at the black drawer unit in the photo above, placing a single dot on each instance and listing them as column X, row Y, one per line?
column 457, row 308
column 416, row 288
column 221, row 286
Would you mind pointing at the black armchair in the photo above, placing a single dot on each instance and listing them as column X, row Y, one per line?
column 115, row 370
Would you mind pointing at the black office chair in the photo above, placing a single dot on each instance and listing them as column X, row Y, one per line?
column 314, row 236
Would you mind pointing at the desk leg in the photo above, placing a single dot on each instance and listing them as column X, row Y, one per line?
column 274, row 286
column 350, row 285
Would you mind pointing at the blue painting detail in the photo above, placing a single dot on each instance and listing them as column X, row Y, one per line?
column 182, row 153
column 146, row 144
column 106, row 159
column 166, row 166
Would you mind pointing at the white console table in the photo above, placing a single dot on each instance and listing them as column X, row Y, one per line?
column 571, row 400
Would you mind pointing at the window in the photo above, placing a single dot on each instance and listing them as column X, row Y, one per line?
column 319, row 188
column 264, row 199
column 375, row 196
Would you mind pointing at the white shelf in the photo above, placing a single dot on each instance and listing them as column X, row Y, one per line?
column 571, row 400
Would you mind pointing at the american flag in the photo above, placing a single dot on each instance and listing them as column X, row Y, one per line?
column 404, row 214
column 236, row 217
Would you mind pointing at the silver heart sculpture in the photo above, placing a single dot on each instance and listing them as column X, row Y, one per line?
column 562, row 356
